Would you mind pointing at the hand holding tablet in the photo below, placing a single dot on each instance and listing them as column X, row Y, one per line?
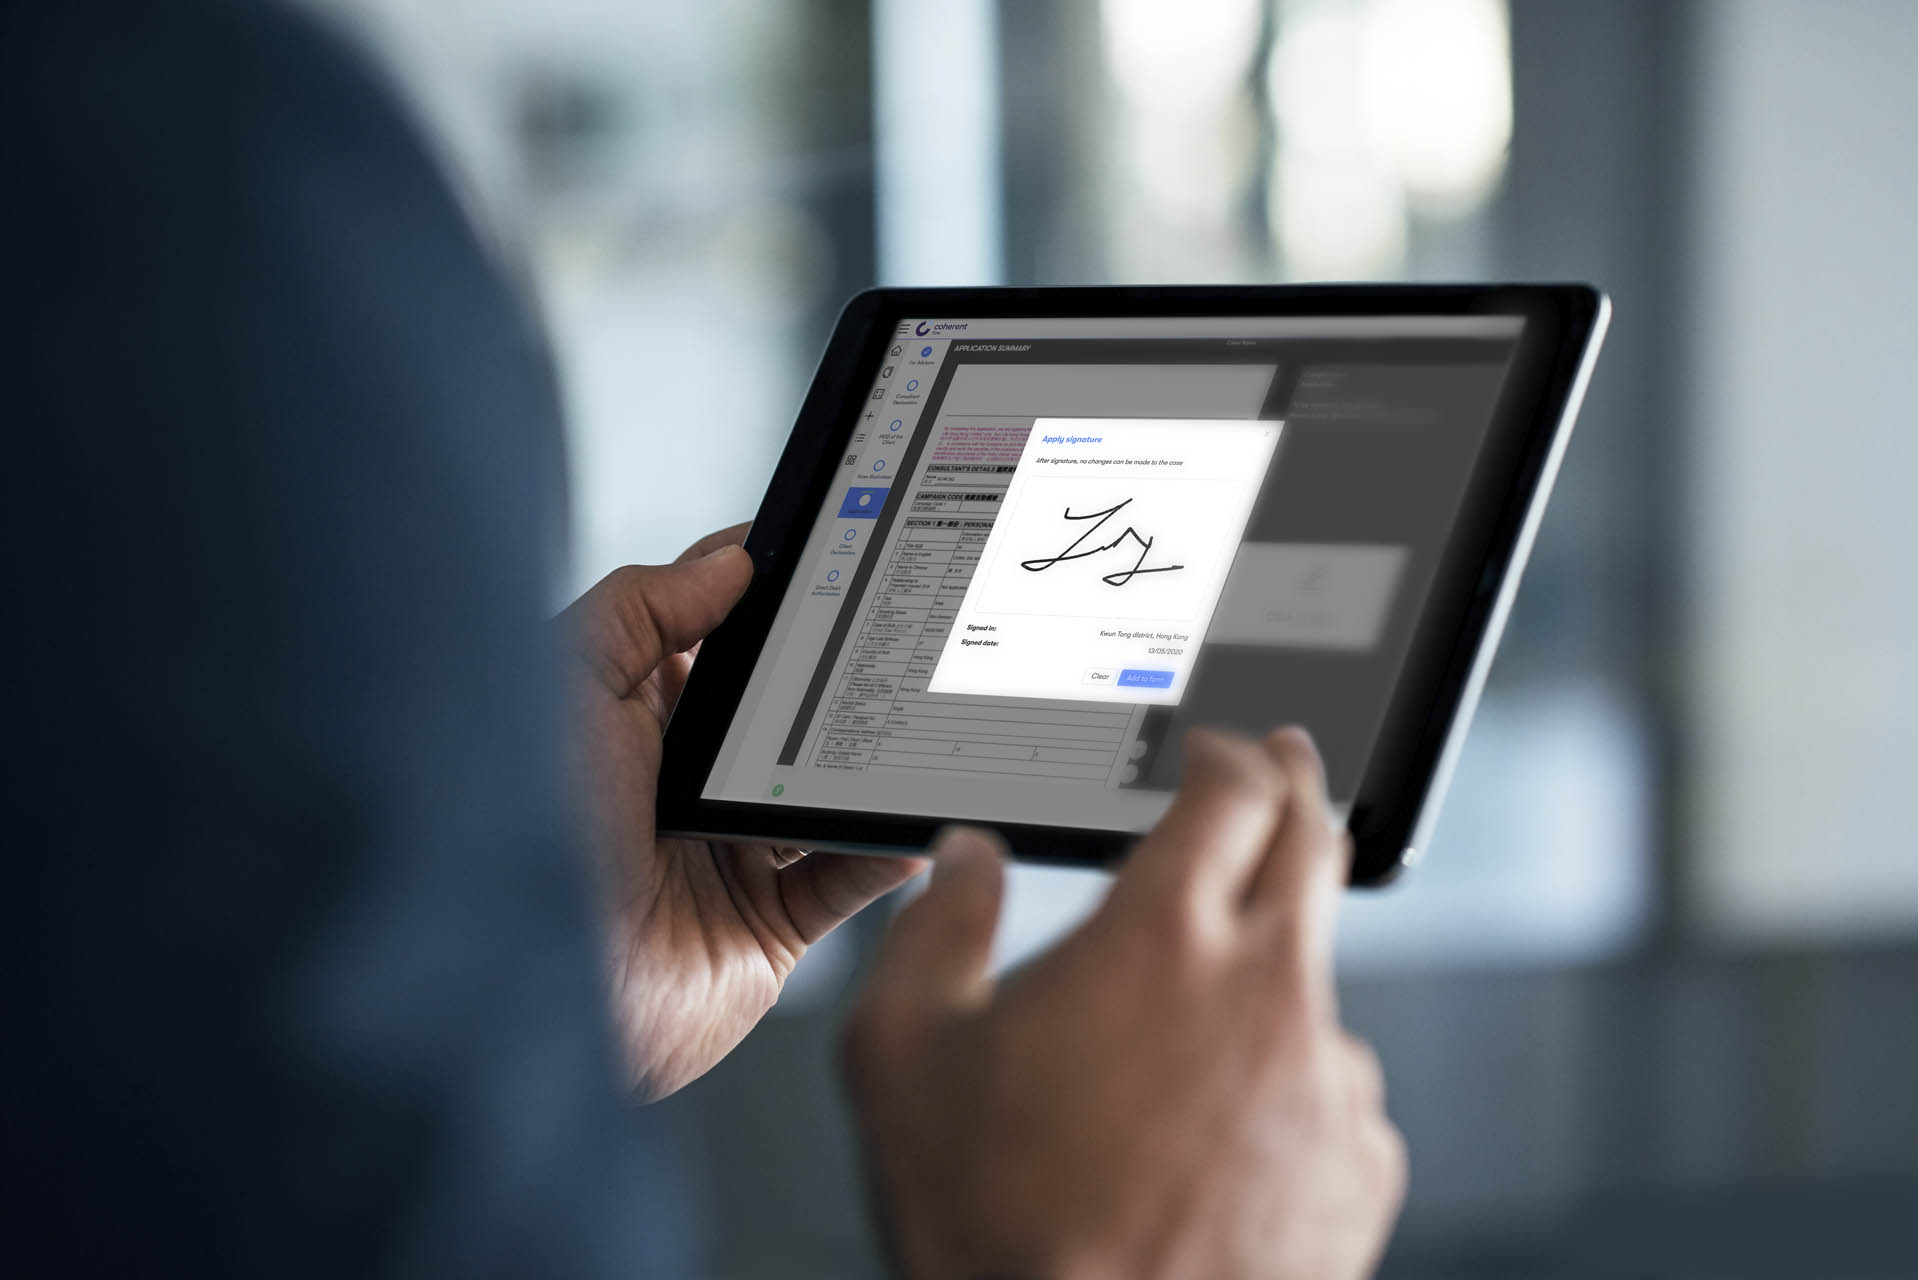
column 725, row 919
column 1107, row 516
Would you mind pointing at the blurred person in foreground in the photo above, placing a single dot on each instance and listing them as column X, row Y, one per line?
column 316, row 934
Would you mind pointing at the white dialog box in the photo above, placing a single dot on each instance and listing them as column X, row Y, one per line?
column 1106, row 560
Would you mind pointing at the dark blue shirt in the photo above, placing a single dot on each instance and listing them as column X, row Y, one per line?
column 304, row 971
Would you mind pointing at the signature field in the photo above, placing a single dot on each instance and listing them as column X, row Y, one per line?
column 1107, row 556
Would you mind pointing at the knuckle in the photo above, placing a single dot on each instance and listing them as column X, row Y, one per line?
column 1334, row 1076
column 1178, row 932
column 626, row 580
column 1293, row 961
column 1394, row 1162
column 1292, row 749
column 1170, row 931
column 1363, row 1062
column 1258, row 781
column 1236, row 770
column 1317, row 1065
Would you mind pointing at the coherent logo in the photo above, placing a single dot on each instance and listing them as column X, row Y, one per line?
column 944, row 326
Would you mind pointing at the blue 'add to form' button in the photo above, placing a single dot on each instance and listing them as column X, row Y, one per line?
column 1132, row 678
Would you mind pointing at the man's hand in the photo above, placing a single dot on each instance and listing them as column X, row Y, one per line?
column 1168, row 1093
column 703, row 935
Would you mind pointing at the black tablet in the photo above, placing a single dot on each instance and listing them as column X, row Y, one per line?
column 1022, row 539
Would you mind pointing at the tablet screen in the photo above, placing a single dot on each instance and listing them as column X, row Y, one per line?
column 1053, row 544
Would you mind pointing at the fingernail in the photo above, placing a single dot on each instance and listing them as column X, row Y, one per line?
column 958, row 843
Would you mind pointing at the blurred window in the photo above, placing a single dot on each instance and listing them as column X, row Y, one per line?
column 698, row 187
column 1339, row 139
column 1803, row 679
column 691, row 186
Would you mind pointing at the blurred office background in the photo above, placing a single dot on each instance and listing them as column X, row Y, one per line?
column 1651, row 1006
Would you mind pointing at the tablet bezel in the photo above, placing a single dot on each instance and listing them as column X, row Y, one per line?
column 1453, row 639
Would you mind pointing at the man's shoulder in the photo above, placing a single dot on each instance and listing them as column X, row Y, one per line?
column 208, row 74
column 90, row 36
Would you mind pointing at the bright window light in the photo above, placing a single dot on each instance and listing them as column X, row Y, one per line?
column 1189, row 57
column 1382, row 110
column 1438, row 96
column 1338, row 216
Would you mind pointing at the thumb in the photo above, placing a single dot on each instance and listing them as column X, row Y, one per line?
column 633, row 618
column 940, row 946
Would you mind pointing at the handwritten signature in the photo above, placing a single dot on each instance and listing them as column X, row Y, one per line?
column 1072, row 552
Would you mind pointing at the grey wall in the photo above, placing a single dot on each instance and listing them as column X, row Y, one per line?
column 1803, row 284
